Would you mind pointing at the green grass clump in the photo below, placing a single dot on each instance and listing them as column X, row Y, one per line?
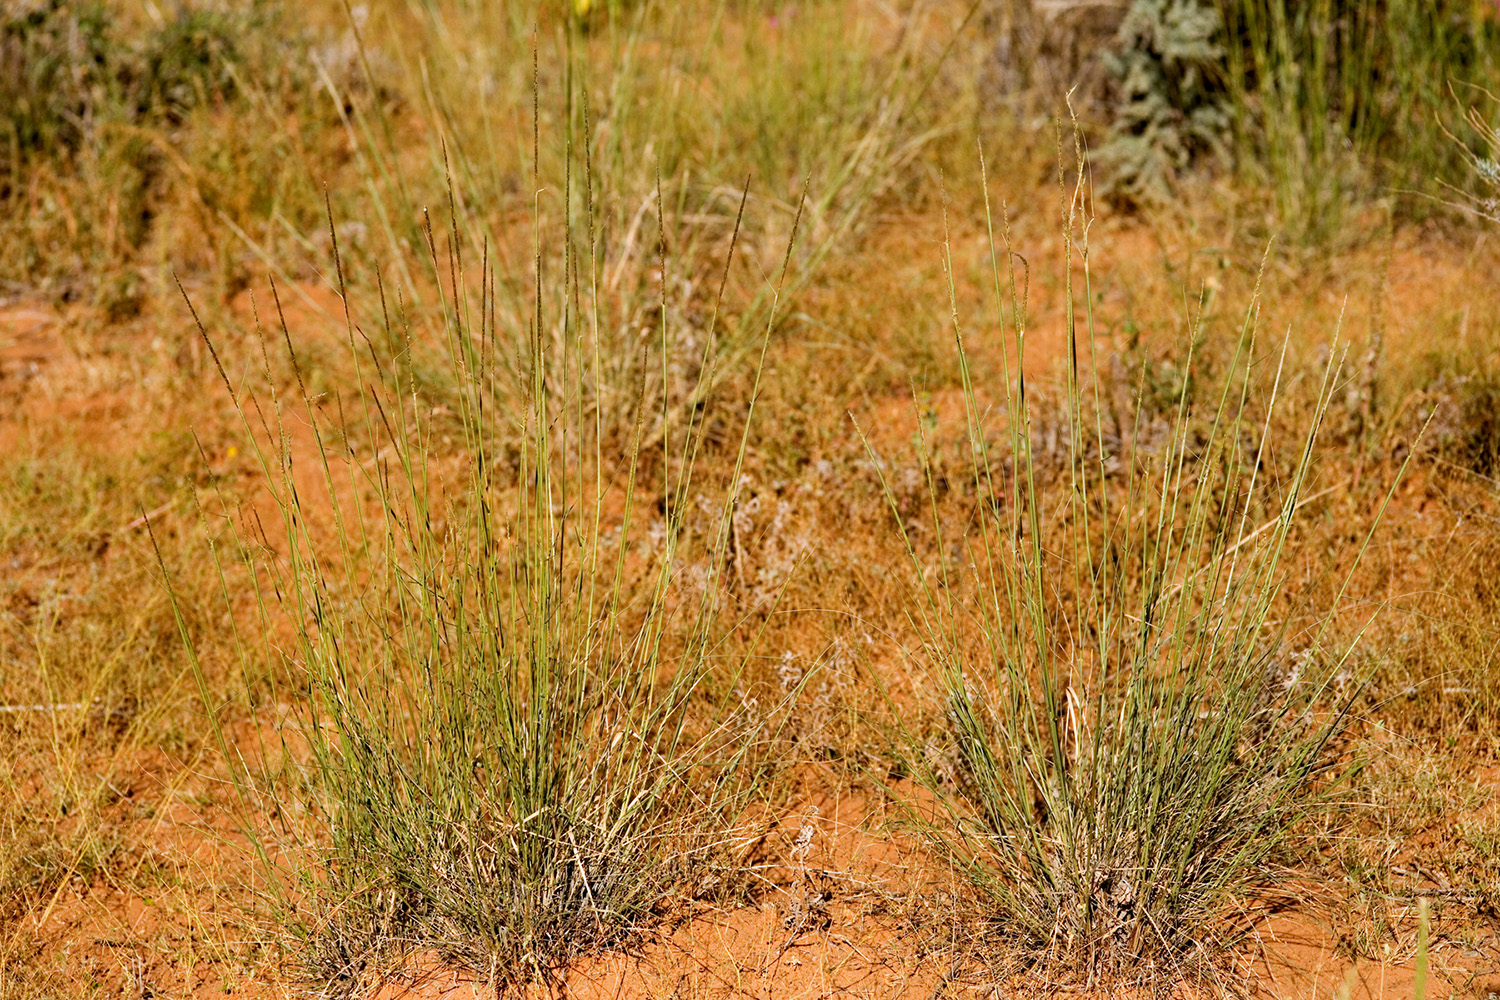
column 1340, row 97
column 1322, row 104
column 810, row 102
column 1125, row 731
column 519, row 735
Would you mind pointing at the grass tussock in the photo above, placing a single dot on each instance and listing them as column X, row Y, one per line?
column 1125, row 730
column 119, row 148
column 523, row 733
column 1339, row 97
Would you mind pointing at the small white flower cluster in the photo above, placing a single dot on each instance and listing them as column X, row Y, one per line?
column 778, row 549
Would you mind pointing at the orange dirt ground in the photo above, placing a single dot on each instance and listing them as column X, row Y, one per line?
column 196, row 934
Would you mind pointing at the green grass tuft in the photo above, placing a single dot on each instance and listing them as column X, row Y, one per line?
column 518, row 735
column 1126, row 732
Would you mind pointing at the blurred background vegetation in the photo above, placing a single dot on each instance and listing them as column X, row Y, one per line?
column 142, row 138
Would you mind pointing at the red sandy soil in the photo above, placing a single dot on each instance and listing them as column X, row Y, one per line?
column 190, row 939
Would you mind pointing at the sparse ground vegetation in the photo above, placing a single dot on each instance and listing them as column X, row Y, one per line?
column 736, row 499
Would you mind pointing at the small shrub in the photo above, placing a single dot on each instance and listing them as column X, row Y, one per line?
column 1169, row 110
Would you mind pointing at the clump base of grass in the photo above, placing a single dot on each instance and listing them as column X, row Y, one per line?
column 1123, row 731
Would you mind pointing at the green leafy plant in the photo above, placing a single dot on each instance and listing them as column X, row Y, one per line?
column 1169, row 111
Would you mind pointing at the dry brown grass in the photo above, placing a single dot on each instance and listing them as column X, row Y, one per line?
column 123, row 870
